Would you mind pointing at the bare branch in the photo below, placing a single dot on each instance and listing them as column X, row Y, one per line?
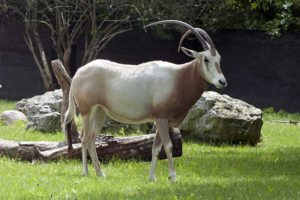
column 67, row 22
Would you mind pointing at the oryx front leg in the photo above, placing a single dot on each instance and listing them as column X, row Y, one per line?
column 157, row 144
column 95, row 160
column 163, row 130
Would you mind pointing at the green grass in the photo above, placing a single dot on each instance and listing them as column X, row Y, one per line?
column 269, row 171
column 6, row 105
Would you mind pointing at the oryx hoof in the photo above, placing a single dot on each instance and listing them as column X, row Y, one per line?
column 152, row 179
column 172, row 179
column 101, row 174
column 85, row 174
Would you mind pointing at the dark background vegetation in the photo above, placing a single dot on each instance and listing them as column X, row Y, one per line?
column 259, row 42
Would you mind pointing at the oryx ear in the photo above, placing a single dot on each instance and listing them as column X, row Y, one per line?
column 190, row 53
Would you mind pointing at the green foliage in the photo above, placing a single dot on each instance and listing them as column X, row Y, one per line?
column 277, row 15
column 272, row 16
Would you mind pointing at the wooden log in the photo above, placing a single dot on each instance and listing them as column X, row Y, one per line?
column 131, row 147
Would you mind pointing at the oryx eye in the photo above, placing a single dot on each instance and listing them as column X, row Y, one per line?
column 206, row 60
column 206, row 63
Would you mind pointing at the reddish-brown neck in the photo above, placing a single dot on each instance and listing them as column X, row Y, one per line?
column 190, row 79
column 188, row 88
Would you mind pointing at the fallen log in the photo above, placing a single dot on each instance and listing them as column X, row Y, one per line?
column 108, row 147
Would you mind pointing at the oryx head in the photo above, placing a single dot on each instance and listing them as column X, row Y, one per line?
column 209, row 58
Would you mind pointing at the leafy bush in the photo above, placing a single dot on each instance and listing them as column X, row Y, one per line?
column 272, row 16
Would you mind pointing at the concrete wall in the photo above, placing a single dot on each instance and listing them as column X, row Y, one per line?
column 262, row 71
column 19, row 76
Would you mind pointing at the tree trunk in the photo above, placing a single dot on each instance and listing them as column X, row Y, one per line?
column 131, row 147
column 39, row 56
column 66, row 60
column 46, row 69
column 64, row 80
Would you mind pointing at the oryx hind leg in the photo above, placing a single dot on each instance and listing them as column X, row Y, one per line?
column 157, row 144
column 97, row 120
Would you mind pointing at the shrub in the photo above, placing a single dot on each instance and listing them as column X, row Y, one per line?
column 272, row 16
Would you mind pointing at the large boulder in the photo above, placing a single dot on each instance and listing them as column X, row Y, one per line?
column 12, row 116
column 221, row 118
column 43, row 111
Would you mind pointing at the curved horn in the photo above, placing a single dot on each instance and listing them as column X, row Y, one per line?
column 187, row 33
column 212, row 47
column 208, row 39
column 186, row 25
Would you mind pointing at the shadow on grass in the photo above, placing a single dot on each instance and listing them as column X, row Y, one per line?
column 251, row 162
column 214, row 174
column 258, row 188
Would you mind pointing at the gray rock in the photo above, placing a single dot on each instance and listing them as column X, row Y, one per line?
column 45, row 103
column 12, row 116
column 47, row 122
column 221, row 118
column 43, row 111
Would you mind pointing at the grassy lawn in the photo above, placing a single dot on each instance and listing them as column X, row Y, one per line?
column 269, row 171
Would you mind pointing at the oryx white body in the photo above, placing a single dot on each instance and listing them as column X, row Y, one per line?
column 128, row 86
column 157, row 91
